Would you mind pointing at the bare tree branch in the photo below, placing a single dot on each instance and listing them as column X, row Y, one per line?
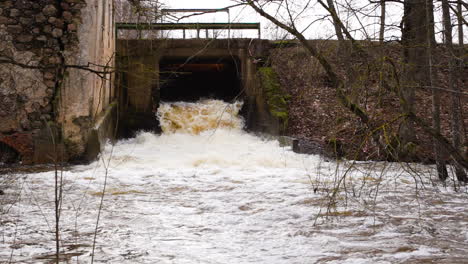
column 11, row 61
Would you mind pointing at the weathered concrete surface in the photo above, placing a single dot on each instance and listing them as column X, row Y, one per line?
column 138, row 63
column 104, row 129
column 84, row 95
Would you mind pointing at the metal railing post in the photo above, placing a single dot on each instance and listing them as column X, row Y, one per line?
column 229, row 21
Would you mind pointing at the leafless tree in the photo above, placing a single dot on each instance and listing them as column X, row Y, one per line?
column 433, row 81
column 453, row 86
column 418, row 31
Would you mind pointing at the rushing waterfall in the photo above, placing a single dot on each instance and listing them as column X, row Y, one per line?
column 206, row 134
column 194, row 118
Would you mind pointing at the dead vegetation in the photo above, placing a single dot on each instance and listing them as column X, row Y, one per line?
column 315, row 113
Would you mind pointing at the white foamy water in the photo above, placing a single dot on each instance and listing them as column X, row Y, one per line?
column 205, row 191
column 194, row 118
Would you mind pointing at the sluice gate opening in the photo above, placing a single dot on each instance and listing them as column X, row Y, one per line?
column 184, row 79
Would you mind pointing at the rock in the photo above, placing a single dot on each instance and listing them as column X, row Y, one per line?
column 34, row 116
column 36, row 30
column 303, row 146
column 49, row 91
column 14, row 28
column 12, row 21
column 54, row 60
column 23, row 4
column 40, row 18
column 51, row 42
column 57, row 33
column 26, row 21
column 24, row 38
column 7, row 38
column 37, row 124
column 65, row 6
column 20, row 47
column 51, row 20
column 14, row 12
column 8, row 4
column 49, row 10
column 71, row 27
column 3, row 20
column 36, row 106
column 50, row 84
column 21, row 98
column 42, row 38
column 48, row 51
column 46, row 117
column 25, row 124
column 47, row 109
column 59, row 23
column 49, row 76
column 67, row 16
column 47, row 29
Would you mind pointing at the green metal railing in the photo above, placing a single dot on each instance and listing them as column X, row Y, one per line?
column 189, row 26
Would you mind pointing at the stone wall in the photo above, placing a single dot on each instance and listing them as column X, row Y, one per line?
column 40, row 94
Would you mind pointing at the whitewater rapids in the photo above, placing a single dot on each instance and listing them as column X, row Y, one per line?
column 205, row 191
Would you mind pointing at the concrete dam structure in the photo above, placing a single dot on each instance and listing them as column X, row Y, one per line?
column 69, row 84
column 154, row 71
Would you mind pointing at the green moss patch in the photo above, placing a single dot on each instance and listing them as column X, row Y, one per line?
column 276, row 98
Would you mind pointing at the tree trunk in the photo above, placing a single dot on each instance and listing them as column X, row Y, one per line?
column 454, row 88
column 414, row 39
column 382, row 49
column 339, row 33
column 433, row 81
column 461, row 63
column 345, row 53
column 382, row 21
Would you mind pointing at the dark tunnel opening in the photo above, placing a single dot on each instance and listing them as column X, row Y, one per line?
column 181, row 79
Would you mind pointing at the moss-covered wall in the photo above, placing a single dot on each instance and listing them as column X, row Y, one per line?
column 276, row 98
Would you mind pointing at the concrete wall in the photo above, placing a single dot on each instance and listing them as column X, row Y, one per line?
column 37, row 98
column 85, row 95
column 138, row 62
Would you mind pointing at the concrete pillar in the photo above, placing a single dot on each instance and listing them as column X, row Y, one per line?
column 142, row 77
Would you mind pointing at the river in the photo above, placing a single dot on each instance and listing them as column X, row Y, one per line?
column 205, row 191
